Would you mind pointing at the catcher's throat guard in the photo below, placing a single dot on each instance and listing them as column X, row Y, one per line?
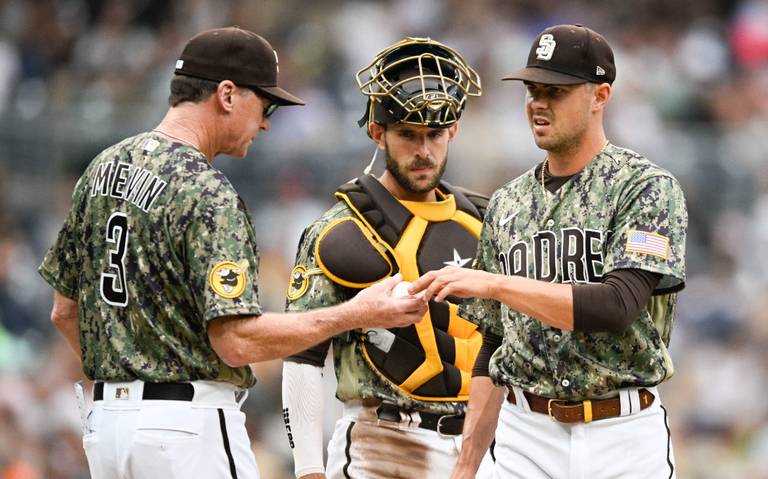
column 417, row 81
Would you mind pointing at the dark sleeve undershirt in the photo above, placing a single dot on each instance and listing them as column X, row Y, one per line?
column 613, row 304
column 314, row 355
column 491, row 342
column 610, row 306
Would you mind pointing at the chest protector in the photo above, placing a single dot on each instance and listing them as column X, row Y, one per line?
column 431, row 360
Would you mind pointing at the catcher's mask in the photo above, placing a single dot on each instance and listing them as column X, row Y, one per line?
column 417, row 81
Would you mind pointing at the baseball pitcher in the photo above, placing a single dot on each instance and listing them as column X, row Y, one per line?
column 574, row 287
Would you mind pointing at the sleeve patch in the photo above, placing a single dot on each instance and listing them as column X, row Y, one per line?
column 228, row 279
column 648, row 243
column 299, row 282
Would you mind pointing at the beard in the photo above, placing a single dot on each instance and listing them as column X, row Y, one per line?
column 400, row 173
column 558, row 144
column 563, row 141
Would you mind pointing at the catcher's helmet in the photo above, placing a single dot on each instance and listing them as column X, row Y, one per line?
column 417, row 81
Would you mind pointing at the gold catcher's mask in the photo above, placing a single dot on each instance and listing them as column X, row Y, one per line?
column 417, row 81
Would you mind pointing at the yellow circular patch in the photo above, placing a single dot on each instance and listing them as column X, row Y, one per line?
column 298, row 284
column 228, row 279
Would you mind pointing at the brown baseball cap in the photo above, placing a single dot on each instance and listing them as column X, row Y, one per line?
column 568, row 55
column 238, row 55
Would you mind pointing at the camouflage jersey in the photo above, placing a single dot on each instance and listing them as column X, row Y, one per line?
column 156, row 244
column 620, row 212
column 356, row 379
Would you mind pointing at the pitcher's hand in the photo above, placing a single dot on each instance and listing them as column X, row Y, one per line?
column 455, row 281
column 461, row 473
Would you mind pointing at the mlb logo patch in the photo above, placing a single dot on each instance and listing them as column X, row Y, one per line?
column 150, row 145
column 121, row 393
column 645, row 242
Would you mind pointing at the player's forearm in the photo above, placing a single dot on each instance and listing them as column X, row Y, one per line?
column 550, row 303
column 64, row 316
column 480, row 424
column 242, row 341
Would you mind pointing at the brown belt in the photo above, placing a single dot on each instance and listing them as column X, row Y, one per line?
column 580, row 411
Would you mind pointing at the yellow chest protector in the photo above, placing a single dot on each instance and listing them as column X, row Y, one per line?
column 431, row 360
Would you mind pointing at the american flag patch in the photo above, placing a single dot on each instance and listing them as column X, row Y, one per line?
column 648, row 243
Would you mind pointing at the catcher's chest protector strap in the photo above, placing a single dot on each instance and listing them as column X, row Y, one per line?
column 431, row 360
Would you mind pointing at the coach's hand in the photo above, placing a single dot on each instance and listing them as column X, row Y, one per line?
column 379, row 308
column 455, row 281
column 314, row 475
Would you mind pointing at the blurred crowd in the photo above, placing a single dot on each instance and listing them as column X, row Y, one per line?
column 691, row 94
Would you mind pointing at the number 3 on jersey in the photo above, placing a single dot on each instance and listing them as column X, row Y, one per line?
column 114, row 291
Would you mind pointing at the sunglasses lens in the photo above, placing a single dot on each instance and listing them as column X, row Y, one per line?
column 268, row 111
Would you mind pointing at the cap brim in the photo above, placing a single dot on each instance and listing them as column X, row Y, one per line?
column 547, row 77
column 279, row 96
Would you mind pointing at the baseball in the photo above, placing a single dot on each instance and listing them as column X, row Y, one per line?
column 401, row 289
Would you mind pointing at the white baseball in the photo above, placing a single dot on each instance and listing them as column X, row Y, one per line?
column 401, row 289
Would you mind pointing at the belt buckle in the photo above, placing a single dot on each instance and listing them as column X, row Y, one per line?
column 549, row 408
column 586, row 406
column 440, row 423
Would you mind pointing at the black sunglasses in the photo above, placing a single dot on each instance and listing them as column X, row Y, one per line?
column 270, row 109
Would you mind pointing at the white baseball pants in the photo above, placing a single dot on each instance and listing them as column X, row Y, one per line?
column 531, row 445
column 364, row 447
column 131, row 438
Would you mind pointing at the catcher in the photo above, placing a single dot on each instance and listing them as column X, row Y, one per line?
column 404, row 390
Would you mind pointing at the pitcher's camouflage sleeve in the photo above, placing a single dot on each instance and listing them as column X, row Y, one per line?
column 223, row 263
column 486, row 313
column 650, row 230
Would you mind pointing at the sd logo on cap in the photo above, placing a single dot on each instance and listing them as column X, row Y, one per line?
column 568, row 55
